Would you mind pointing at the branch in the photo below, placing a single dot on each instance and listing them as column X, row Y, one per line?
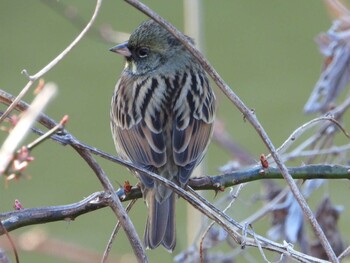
column 216, row 182
column 250, row 116
column 114, row 234
column 52, row 63
column 21, row 129
column 211, row 182
column 203, row 183
column 302, row 129
column 30, row 216
column 307, row 172
column 115, row 204
column 85, row 151
column 16, row 219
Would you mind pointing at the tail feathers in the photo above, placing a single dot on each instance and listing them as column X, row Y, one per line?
column 160, row 226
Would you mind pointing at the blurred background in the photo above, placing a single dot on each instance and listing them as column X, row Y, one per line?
column 264, row 50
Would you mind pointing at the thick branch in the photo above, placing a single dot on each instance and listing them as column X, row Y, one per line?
column 307, row 172
column 16, row 219
column 32, row 216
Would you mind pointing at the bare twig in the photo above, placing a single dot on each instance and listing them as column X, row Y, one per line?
column 54, row 62
column 250, row 116
column 345, row 253
column 334, row 150
column 204, row 234
column 320, row 143
column 211, row 210
column 23, row 126
column 260, row 248
column 13, row 246
column 114, row 233
column 267, row 208
column 302, row 129
column 48, row 134
column 115, row 205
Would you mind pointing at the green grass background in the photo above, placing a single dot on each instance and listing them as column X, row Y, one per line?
column 263, row 49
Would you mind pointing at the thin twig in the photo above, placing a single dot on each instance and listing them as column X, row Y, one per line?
column 345, row 253
column 116, row 205
column 302, row 129
column 267, row 208
column 210, row 210
column 48, row 134
column 114, row 233
column 260, row 248
column 206, row 231
column 54, row 62
column 19, row 132
column 334, row 150
column 13, row 245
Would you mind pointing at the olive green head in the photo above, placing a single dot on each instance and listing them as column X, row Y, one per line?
column 151, row 47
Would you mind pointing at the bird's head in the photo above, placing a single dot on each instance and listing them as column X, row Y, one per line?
column 151, row 47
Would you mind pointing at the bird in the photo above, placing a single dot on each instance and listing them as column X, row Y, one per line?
column 162, row 116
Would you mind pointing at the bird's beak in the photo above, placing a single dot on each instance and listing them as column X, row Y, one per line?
column 121, row 49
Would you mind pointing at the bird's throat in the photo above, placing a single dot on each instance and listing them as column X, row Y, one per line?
column 131, row 67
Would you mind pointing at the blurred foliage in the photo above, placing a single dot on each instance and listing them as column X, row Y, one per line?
column 263, row 49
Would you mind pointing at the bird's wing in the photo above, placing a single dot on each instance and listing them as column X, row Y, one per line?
column 193, row 123
column 138, row 134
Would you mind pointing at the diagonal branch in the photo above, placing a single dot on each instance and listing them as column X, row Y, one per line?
column 250, row 116
column 115, row 205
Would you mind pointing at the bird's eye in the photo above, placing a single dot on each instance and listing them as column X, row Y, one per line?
column 143, row 52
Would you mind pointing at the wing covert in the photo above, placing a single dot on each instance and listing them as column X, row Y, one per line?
column 138, row 134
column 193, row 124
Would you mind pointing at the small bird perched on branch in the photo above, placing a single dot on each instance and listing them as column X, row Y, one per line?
column 162, row 115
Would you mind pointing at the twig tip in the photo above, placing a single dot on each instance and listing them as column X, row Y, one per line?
column 26, row 73
column 64, row 120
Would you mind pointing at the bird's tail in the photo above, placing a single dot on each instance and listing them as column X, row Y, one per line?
column 160, row 226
